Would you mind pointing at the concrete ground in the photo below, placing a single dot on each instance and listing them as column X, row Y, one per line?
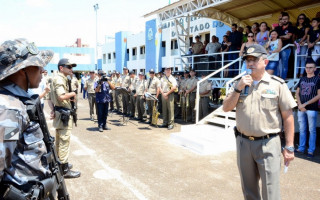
column 138, row 162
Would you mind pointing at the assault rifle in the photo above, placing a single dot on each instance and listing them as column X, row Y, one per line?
column 73, row 111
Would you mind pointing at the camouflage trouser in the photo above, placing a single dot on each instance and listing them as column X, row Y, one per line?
column 63, row 144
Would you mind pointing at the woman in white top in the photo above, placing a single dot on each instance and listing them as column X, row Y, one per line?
column 273, row 48
column 244, row 48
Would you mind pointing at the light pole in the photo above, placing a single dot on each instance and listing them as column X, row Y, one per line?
column 96, row 7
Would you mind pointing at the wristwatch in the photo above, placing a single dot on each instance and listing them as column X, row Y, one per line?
column 238, row 91
column 290, row 148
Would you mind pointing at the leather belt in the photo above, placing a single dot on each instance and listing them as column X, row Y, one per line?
column 252, row 138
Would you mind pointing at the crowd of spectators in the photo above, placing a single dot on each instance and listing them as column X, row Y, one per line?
column 302, row 36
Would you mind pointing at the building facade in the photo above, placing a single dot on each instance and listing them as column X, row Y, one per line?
column 157, row 46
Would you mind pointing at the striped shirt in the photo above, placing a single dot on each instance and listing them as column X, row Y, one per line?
column 308, row 89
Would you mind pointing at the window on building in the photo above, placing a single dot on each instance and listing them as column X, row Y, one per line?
column 127, row 51
column 142, row 50
column 104, row 58
column 134, row 53
column 163, row 48
column 174, row 44
column 190, row 40
column 109, row 56
column 114, row 55
column 207, row 37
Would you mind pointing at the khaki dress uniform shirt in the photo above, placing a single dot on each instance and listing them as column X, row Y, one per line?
column 153, row 86
column 60, row 87
column 90, row 85
column 140, row 87
column 133, row 82
column 183, row 84
column 259, row 113
column 165, row 83
column 191, row 83
column 118, row 82
column 204, row 87
column 125, row 81
column 197, row 48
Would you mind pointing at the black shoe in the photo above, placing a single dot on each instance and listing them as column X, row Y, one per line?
column 100, row 129
column 106, row 128
column 170, row 127
column 67, row 173
column 164, row 126
column 70, row 166
column 91, row 118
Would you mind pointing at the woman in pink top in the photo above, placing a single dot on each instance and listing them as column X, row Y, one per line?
column 263, row 36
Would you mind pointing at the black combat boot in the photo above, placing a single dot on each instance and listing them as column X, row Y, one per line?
column 67, row 173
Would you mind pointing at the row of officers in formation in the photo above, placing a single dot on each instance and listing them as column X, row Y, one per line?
column 135, row 97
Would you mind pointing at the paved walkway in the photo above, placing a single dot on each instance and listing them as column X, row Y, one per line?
column 138, row 162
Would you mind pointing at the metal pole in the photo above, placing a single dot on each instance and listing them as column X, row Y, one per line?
column 96, row 7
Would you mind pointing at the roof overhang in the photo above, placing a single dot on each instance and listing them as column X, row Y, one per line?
column 241, row 12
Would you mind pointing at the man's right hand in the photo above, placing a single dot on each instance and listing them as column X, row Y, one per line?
column 244, row 81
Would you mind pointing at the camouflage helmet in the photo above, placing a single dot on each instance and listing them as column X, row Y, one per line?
column 19, row 54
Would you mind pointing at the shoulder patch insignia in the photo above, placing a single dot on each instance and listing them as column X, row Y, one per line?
column 277, row 79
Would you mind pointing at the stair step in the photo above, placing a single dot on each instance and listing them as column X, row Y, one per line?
column 221, row 121
column 228, row 114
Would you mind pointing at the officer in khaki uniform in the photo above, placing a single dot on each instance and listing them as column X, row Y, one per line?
column 118, row 95
column 140, row 88
column 167, row 88
column 60, row 97
column 259, row 116
column 89, row 87
column 132, row 90
column 182, row 89
column 205, row 92
column 153, row 85
column 191, row 89
column 125, row 83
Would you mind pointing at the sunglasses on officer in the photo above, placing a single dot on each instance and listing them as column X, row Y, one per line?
column 67, row 66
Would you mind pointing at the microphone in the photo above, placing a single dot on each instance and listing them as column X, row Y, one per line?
column 246, row 88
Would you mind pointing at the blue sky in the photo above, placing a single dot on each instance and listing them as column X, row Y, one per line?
column 60, row 22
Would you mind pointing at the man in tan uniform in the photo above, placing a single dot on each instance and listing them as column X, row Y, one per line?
column 132, row 90
column 62, row 122
column 190, row 93
column 118, row 95
column 261, row 110
column 205, row 92
column 182, row 88
column 89, row 87
column 167, row 88
column 140, row 88
column 196, row 50
column 153, row 85
column 125, row 83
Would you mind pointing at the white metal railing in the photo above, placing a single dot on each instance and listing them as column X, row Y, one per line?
column 206, row 78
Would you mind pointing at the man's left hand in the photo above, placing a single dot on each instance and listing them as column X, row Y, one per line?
column 288, row 156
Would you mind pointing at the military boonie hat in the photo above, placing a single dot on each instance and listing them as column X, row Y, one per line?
column 167, row 67
column 125, row 68
column 66, row 62
column 131, row 72
column 151, row 71
column 117, row 72
column 255, row 50
column 18, row 54
column 141, row 73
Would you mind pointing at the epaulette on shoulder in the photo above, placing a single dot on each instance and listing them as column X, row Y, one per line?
column 278, row 79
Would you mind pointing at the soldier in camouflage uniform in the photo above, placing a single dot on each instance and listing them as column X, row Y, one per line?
column 21, row 139
column 61, row 98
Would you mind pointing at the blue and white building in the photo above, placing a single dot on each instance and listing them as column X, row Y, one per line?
column 157, row 46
